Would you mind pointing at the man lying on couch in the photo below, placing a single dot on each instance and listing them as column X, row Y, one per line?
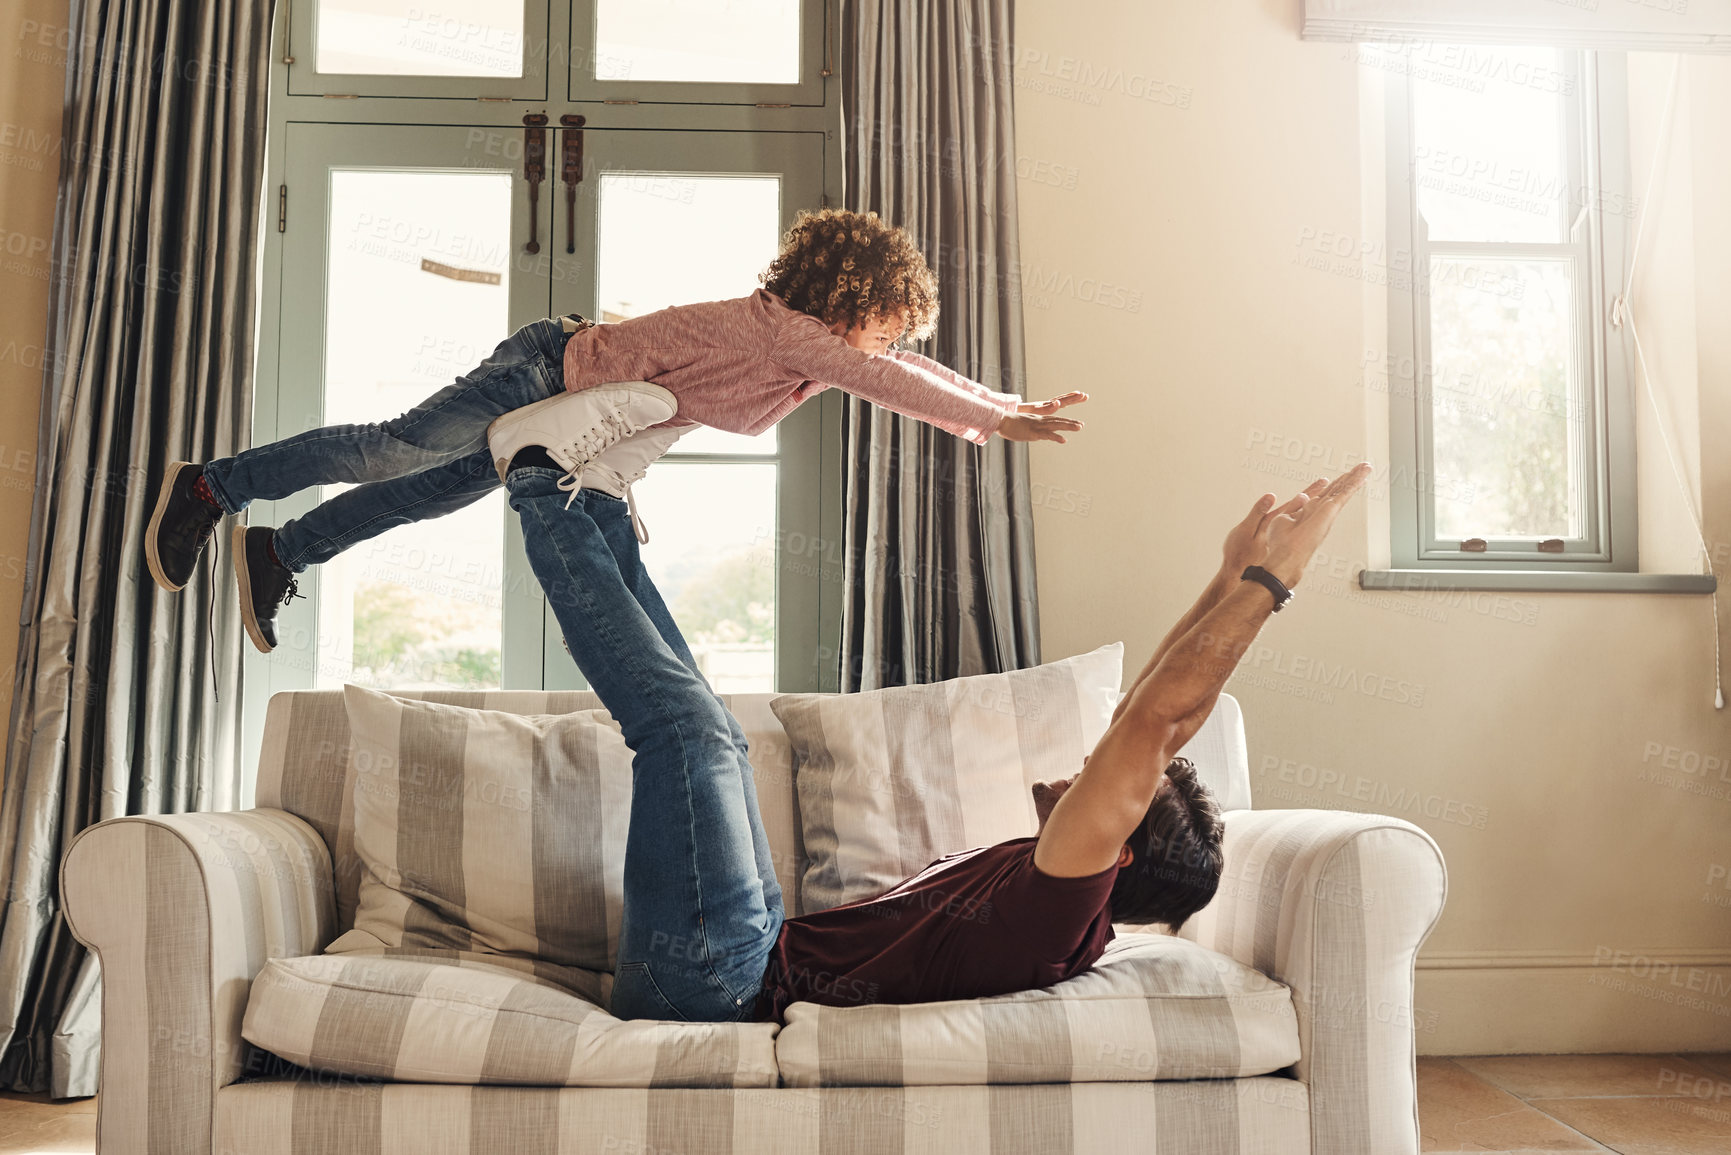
column 1134, row 837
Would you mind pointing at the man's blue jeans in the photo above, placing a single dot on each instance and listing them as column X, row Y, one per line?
column 702, row 906
column 430, row 461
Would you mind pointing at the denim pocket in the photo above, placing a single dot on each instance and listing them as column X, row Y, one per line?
column 552, row 374
column 642, row 995
column 636, row 995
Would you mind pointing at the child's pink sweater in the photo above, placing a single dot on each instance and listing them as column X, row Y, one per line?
column 744, row 364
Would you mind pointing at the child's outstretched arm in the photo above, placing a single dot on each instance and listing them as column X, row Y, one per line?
column 1011, row 402
column 904, row 384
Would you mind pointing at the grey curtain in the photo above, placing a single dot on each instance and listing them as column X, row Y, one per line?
column 938, row 577
column 125, row 697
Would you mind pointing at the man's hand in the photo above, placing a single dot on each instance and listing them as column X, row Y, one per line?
column 1073, row 397
column 1247, row 544
column 1293, row 537
column 1036, row 427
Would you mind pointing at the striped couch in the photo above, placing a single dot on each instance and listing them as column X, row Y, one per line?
column 1321, row 912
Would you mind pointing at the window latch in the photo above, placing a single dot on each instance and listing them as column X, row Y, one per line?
column 1474, row 545
column 1551, row 545
column 534, row 169
column 571, row 169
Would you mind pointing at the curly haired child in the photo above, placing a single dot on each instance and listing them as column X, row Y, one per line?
column 843, row 289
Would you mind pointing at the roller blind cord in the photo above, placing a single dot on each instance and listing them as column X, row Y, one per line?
column 1623, row 313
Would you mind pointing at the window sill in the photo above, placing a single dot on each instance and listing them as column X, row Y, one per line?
column 1536, row 581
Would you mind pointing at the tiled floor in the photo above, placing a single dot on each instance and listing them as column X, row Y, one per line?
column 1631, row 1104
column 31, row 1123
column 1508, row 1104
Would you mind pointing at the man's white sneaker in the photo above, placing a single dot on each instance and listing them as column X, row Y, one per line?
column 576, row 428
column 615, row 470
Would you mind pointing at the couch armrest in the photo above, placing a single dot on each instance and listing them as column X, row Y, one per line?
column 1335, row 905
column 183, row 910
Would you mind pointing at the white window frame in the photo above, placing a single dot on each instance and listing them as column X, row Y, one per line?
column 1599, row 244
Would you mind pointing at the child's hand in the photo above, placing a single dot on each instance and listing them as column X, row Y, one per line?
column 1073, row 397
column 1036, row 427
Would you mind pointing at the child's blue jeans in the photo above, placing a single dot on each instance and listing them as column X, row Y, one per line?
column 430, row 461
column 702, row 907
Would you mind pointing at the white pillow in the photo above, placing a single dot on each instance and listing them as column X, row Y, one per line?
column 480, row 830
column 890, row 779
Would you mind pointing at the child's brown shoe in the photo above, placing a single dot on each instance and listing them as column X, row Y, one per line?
column 180, row 526
column 265, row 583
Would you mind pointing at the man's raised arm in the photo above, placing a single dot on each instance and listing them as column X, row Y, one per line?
column 1166, row 707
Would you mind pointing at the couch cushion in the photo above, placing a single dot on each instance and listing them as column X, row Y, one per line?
column 1153, row 1007
column 488, row 831
column 468, row 1019
column 889, row 780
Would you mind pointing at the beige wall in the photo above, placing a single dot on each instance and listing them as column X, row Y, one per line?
column 32, row 74
column 1178, row 163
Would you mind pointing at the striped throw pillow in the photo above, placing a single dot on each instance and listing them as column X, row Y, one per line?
column 890, row 779
column 479, row 830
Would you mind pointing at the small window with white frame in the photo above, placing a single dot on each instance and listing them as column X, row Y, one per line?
column 1511, row 426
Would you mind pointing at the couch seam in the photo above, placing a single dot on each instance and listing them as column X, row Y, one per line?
column 595, row 1009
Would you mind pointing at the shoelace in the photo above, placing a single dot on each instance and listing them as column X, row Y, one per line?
column 638, row 525
column 591, row 444
column 204, row 536
column 210, row 623
column 293, row 592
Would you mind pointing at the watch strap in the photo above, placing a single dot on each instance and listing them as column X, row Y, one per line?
column 1282, row 595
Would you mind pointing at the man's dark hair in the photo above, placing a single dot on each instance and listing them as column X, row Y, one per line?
column 1178, row 859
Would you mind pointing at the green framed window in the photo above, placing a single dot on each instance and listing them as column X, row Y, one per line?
column 410, row 236
column 1509, row 390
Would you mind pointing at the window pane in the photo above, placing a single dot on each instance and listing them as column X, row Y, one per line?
column 419, row 272
column 1488, row 150
column 406, row 38
column 1507, row 422
column 711, row 553
column 670, row 238
column 720, row 41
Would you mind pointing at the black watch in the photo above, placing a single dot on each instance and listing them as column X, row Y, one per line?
column 1255, row 573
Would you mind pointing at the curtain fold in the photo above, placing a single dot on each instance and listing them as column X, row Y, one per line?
column 125, row 697
column 938, row 541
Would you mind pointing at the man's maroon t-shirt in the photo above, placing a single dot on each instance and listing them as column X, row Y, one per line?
column 981, row 922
